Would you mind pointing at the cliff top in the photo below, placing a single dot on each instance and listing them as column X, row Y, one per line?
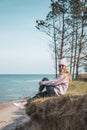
column 68, row 112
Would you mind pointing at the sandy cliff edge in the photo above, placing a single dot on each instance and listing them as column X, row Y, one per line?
column 64, row 113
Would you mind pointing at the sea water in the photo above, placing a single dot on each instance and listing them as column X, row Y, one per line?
column 14, row 86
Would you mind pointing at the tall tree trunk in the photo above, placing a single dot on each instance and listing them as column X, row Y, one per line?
column 55, row 48
column 72, row 50
column 63, row 31
column 75, row 53
column 54, row 37
column 80, row 49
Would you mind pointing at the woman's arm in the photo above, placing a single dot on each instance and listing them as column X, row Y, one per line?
column 60, row 80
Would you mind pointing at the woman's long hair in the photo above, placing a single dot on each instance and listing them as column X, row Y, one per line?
column 68, row 74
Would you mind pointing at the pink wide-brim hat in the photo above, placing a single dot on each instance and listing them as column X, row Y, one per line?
column 63, row 62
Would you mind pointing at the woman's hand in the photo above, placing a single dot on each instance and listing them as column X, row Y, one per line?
column 38, row 92
column 40, row 83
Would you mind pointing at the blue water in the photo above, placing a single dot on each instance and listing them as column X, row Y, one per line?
column 14, row 87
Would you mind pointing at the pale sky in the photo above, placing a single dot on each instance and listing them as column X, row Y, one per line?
column 23, row 48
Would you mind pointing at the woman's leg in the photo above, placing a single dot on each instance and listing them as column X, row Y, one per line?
column 50, row 90
column 43, row 86
column 41, row 94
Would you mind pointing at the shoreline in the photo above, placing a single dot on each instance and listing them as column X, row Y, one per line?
column 11, row 116
column 22, row 98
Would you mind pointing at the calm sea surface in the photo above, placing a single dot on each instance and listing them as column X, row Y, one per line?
column 19, row 86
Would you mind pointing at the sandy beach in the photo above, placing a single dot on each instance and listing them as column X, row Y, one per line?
column 11, row 116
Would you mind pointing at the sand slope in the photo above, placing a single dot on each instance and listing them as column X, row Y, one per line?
column 11, row 116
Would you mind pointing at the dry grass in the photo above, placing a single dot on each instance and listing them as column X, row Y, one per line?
column 82, row 77
column 77, row 88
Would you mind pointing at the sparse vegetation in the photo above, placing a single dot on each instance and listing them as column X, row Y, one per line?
column 77, row 88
